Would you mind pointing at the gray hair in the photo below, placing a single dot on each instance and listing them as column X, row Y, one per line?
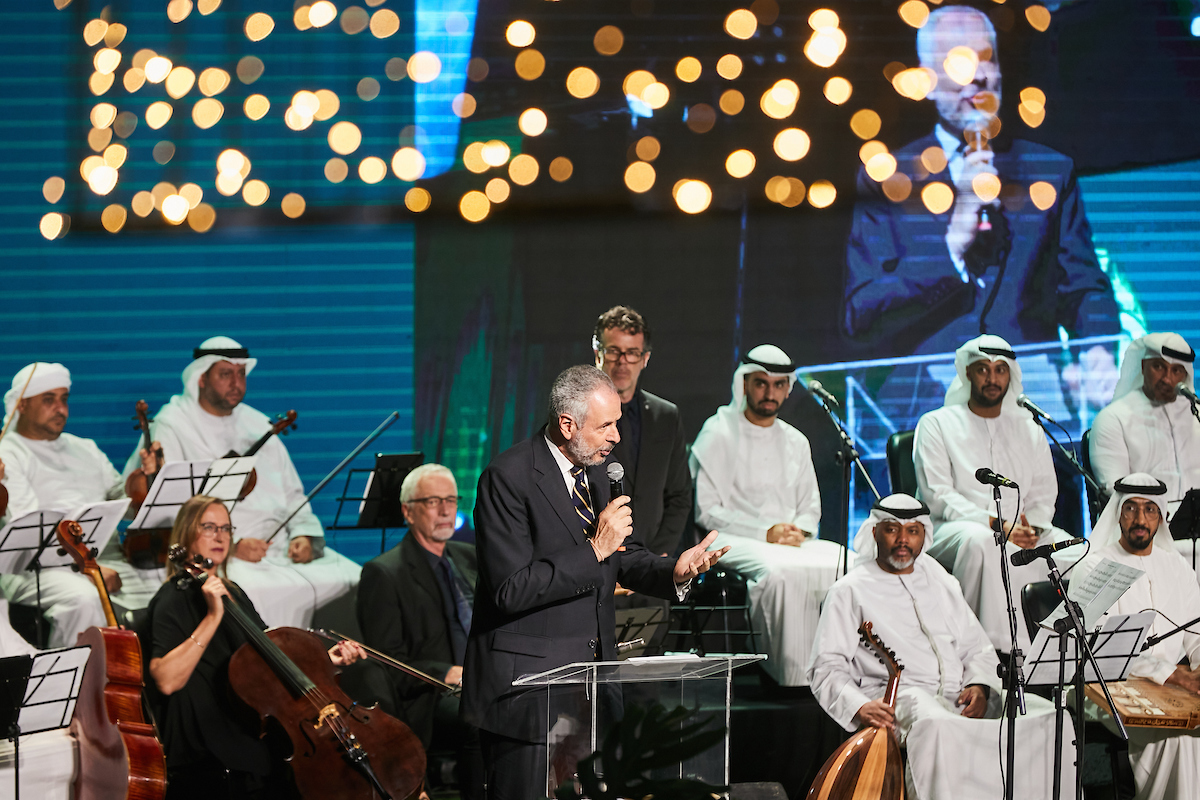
column 928, row 34
column 573, row 388
column 414, row 478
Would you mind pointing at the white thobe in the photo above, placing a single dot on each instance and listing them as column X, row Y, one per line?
column 1132, row 434
column 284, row 593
column 924, row 619
column 63, row 475
column 749, row 478
column 950, row 444
column 1166, row 763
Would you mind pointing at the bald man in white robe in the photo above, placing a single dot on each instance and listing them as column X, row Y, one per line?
column 1132, row 531
column 756, row 486
column 294, row 575
column 949, row 696
column 981, row 425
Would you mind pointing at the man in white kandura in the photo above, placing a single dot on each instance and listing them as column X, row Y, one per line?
column 948, row 684
column 295, row 574
column 1166, row 763
column 48, row 468
column 756, row 486
column 981, row 425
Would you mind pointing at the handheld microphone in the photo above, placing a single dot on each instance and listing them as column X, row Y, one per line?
column 616, row 484
column 815, row 387
column 1181, row 388
column 985, row 475
column 1023, row 557
column 1024, row 402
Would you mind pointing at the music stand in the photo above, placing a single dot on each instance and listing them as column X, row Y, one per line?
column 38, row 693
column 634, row 623
column 21, row 543
column 379, row 504
column 175, row 484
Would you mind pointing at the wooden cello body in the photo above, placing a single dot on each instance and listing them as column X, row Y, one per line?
column 120, row 755
column 868, row 765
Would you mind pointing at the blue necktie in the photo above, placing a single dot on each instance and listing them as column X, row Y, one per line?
column 583, row 503
column 462, row 607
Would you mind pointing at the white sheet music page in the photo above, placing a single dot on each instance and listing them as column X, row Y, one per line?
column 227, row 476
column 1098, row 590
column 20, row 539
column 175, row 483
column 53, row 688
column 99, row 522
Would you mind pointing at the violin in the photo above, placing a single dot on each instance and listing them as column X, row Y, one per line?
column 283, row 423
column 339, row 749
column 868, row 765
column 120, row 754
column 146, row 547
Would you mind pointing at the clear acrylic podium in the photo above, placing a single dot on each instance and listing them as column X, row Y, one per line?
column 585, row 699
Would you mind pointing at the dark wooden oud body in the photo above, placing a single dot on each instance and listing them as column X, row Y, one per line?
column 868, row 765
column 119, row 753
column 318, row 760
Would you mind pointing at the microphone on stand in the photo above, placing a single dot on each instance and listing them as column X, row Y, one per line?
column 1024, row 402
column 1182, row 388
column 616, row 484
column 815, row 387
column 985, row 475
column 1023, row 557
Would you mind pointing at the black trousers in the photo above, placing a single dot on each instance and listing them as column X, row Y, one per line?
column 450, row 731
column 515, row 769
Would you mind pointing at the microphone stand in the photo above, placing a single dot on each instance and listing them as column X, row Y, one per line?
column 383, row 426
column 1014, row 674
column 1153, row 640
column 1062, row 626
column 1095, row 497
column 1195, row 522
column 848, row 457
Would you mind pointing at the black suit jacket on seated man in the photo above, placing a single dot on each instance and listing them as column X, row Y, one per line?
column 542, row 599
column 657, row 474
column 401, row 613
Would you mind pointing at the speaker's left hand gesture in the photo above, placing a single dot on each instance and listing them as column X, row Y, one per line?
column 698, row 559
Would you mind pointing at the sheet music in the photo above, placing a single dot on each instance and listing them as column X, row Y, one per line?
column 227, row 476
column 54, row 684
column 1115, row 647
column 1097, row 591
column 21, row 538
column 99, row 522
column 174, row 485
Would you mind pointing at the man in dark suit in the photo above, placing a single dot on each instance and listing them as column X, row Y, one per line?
column 549, row 559
column 414, row 604
column 652, row 442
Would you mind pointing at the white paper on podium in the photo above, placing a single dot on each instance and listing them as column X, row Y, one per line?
column 227, row 476
column 20, row 539
column 53, row 688
column 1117, row 644
column 99, row 522
column 1098, row 590
column 174, row 485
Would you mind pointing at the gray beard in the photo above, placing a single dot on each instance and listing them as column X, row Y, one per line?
column 580, row 454
column 898, row 564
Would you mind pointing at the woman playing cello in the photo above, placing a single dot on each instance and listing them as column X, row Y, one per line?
column 209, row 753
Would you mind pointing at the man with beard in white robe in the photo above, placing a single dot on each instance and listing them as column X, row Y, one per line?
column 1132, row 531
column 50, row 469
column 949, row 696
column 1148, row 427
column 981, row 425
column 756, row 486
column 294, row 575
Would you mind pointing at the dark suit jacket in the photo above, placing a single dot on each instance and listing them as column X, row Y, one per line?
column 658, row 476
column 904, row 295
column 400, row 613
column 542, row 600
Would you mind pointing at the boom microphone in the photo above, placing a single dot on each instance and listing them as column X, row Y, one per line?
column 1024, row 402
column 1023, row 557
column 1181, row 388
column 985, row 475
column 820, row 391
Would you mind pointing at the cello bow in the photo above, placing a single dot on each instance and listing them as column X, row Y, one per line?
column 383, row 658
column 868, row 765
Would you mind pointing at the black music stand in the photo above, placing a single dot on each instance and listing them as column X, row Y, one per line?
column 639, row 623
column 14, row 677
column 378, row 504
column 22, row 543
column 175, row 484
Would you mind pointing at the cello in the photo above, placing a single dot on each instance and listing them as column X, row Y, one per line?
column 868, row 765
column 339, row 749
column 120, row 755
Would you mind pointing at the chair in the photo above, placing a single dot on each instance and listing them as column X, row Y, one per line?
column 1095, row 503
column 1038, row 600
column 901, row 472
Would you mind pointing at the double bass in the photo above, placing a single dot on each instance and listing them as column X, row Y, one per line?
column 120, row 755
column 339, row 749
column 868, row 765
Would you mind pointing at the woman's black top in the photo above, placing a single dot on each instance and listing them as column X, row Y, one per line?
column 198, row 721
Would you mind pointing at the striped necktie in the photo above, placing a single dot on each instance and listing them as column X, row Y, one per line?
column 583, row 502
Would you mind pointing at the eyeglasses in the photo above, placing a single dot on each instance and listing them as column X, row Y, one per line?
column 628, row 356
column 209, row 530
column 436, row 502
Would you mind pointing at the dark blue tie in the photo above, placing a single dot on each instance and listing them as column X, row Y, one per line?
column 583, row 502
column 462, row 606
